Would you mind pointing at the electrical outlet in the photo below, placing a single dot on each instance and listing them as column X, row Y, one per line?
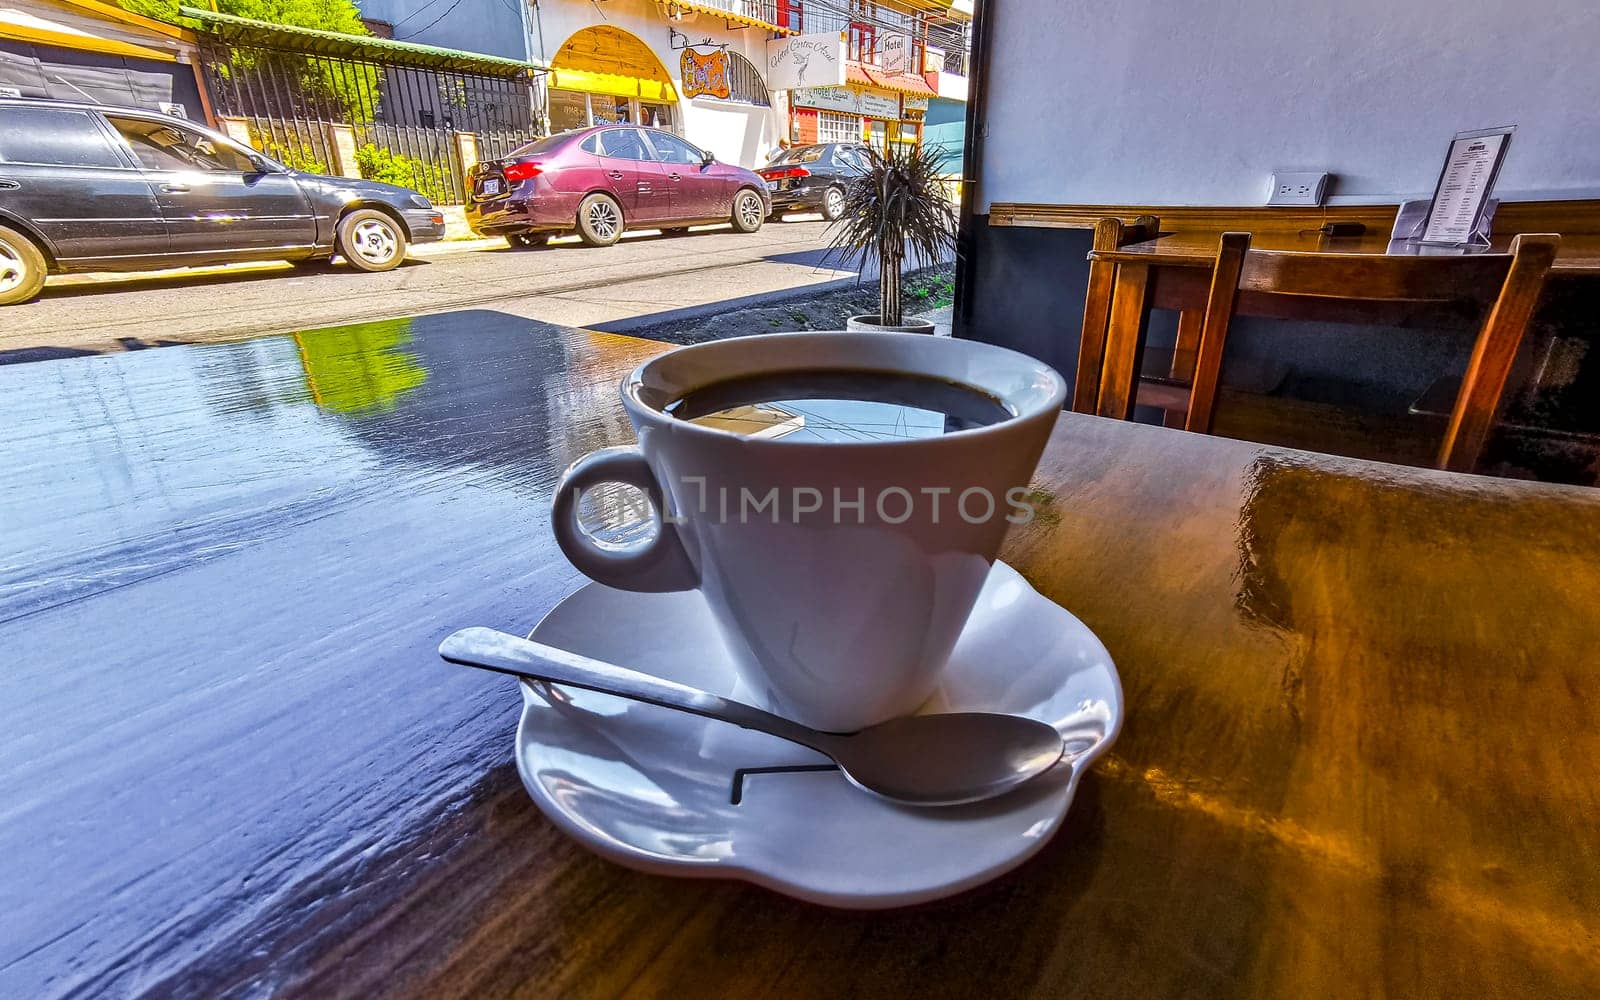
column 1298, row 188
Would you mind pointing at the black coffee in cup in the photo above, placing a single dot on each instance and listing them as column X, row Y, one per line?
column 840, row 406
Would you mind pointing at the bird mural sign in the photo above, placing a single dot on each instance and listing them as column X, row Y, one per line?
column 806, row 61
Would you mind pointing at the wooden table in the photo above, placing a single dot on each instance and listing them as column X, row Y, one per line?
column 1361, row 756
column 1173, row 272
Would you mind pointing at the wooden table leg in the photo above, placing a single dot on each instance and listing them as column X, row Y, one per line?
column 1119, row 378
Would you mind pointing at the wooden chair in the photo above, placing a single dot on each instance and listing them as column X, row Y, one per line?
column 1108, row 235
column 1508, row 284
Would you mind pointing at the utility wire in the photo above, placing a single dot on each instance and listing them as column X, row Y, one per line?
column 454, row 4
column 414, row 13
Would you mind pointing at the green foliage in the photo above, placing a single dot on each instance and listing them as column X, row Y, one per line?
column 328, row 15
column 345, row 91
column 897, row 210
column 378, row 164
column 296, row 157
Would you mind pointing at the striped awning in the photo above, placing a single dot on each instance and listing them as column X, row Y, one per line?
column 902, row 83
column 733, row 13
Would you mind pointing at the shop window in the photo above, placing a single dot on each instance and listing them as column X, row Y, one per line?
column 833, row 127
column 569, row 109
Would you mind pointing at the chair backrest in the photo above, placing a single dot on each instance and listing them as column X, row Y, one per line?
column 1109, row 234
column 1375, row 277
column 1511, row 281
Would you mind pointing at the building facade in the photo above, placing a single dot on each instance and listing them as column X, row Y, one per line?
column 717, row 72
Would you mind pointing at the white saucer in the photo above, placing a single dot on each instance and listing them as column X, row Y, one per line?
column 654, row 789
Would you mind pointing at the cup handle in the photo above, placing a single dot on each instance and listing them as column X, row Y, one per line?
column 652, row 567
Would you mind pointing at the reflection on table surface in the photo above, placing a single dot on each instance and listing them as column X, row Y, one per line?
column 1360, row 747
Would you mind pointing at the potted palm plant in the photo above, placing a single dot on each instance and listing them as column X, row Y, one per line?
column 896, row 212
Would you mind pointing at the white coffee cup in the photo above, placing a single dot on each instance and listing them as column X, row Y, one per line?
column 838, row 614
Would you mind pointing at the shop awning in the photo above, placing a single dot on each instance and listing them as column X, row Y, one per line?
column 731, row 13
column 602, row 59
column 902, row 83
column 23, row 26
column 247, row 31
column 611, row 84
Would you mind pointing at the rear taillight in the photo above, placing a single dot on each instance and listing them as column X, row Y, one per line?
column 778, row 175
column 522, row 170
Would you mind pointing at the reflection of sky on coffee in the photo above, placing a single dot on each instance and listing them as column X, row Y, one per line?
column 830, row 420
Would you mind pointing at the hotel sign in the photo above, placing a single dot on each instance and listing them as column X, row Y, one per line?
column 806, row 61
column 894, row 54
column 850, row 100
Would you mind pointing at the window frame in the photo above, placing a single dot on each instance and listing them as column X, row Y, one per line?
column 108, row 135
column 652, row 134
column 644, row 144
column 248, row 156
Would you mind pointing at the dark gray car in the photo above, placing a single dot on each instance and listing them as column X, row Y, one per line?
column 90, row 188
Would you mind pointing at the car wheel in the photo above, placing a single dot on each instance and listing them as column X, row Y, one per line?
column 833, row 204
column 371, row 241
column 22, row 268
column 748, row 212
column 600, row 221
column 527, row 241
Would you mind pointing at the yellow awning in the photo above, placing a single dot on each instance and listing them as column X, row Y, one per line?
column 611, row 84
column 23, row 27
column 727, row 15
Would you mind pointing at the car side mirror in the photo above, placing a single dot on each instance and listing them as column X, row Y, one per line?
column 260, row 164
column 706, row 159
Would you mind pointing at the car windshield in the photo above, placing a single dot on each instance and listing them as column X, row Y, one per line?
column 801, row 154
column 544, row 145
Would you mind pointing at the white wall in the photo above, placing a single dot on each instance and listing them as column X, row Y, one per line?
column 1173, row 102
column 736, row 133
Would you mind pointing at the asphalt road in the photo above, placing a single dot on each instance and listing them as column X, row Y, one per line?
column 567, row 283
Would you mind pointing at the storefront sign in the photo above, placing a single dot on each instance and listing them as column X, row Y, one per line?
column 705, row 74
column 916, row 103
column 850, row 100
column 894, row 55
column 806, row 61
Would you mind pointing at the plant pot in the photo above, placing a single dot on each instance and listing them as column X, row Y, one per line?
column 869, row 324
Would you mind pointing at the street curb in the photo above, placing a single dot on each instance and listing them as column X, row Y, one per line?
column 707, row 309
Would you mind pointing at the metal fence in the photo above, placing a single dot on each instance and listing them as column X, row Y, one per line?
column 404, row 117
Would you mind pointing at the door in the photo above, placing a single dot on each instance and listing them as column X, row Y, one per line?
column 214, row 198
column 630, row 170
column 697, row 190
column 61, row 171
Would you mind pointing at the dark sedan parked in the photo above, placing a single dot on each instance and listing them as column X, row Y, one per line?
column 814, row 178
column 91, row 188
column 603, row 180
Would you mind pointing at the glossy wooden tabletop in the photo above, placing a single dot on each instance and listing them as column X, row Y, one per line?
column 1361, row 754
column 1579, row 253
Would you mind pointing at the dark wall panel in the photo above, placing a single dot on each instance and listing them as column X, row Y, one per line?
column 70, row 75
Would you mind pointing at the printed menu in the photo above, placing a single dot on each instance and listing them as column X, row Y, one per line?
column 1465, row 184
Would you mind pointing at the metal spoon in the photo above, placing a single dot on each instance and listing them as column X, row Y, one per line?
column 924, row 760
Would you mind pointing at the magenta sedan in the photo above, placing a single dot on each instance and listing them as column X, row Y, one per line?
column 604, row 180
